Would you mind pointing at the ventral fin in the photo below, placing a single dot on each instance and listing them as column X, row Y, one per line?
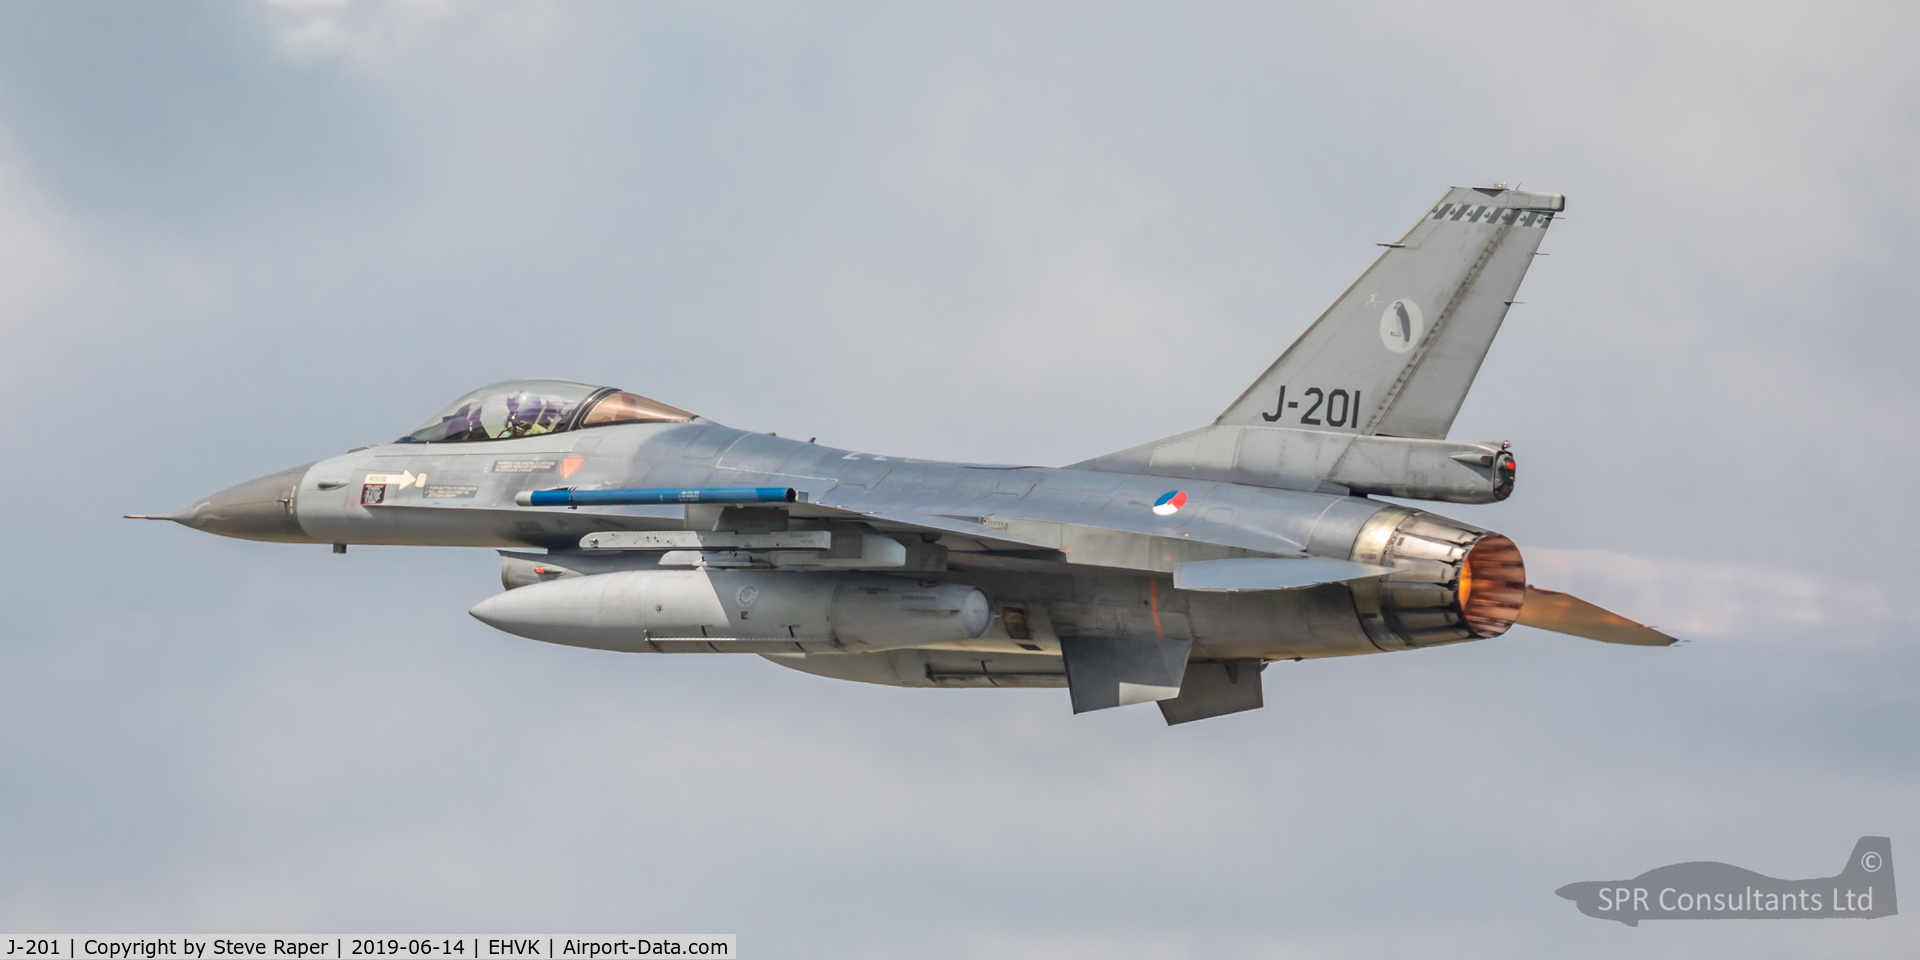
column 1105, row 672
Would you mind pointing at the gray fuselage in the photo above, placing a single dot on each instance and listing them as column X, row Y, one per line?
column 1075, row 552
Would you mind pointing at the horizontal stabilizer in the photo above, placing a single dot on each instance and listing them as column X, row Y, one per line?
column 1105, row 672
column 1568, row 614
column 1268, row 573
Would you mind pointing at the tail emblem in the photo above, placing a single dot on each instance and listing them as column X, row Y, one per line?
column 1170, row 503
column 1401, row 325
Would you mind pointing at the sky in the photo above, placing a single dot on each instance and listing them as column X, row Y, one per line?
column 239, row 236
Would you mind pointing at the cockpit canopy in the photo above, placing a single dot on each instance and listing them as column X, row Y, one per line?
column 526, row 408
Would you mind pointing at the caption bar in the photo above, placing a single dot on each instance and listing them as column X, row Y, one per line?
column 334, row 947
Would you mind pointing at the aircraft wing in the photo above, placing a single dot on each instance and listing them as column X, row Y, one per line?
column 1268, row 573
column 982, row 536
column 1091, row 542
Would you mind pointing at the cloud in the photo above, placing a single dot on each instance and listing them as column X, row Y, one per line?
column 45, row 265
column 990, row 233
column 1733, row 602
column 376, row 36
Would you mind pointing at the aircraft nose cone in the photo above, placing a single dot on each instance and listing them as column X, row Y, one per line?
column 261, row 509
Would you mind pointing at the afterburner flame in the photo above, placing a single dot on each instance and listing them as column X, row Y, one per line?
column 1493, row 585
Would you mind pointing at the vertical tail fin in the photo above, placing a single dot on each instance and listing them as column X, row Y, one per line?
column 1397, row 352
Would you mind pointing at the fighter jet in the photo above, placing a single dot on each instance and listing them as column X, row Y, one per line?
column 1171, row 572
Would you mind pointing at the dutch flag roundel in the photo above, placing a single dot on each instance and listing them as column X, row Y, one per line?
column 1170, row 503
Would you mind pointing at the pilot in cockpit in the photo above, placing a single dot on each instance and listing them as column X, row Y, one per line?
column 527, row 408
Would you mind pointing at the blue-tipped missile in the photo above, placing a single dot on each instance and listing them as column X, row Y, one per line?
column 609, row 498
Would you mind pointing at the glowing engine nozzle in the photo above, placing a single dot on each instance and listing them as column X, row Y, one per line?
column 1450, row 582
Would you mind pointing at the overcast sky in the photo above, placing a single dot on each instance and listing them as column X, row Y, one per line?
column 239, row 236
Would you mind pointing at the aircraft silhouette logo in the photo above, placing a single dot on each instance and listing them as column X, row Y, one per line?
column 1705, row 890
